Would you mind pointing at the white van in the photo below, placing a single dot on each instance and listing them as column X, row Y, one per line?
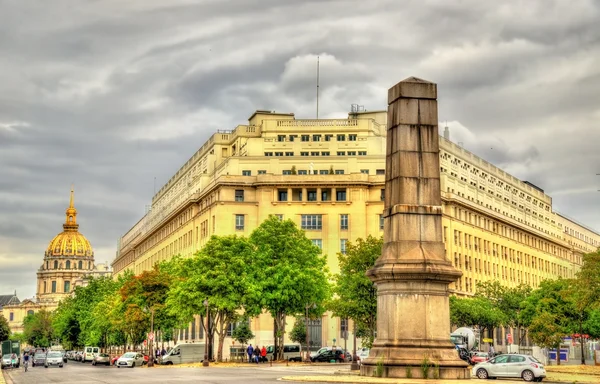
column 184, row 353
column 291, row 352
column 89, row 353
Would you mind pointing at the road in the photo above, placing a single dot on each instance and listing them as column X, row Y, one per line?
column 87, row 374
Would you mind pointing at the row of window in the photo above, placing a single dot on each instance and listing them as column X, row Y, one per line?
column 317, row 153
column 66, row 287
column 67, row 265
column 308, row 222
column 317, row 137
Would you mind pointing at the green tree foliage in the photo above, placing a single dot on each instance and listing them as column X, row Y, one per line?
column 477, row 312
column 66, row 324
column 242, row 333
column 546, row 330
column 37, row 329
column 298, row 332
column 288, row 273
column 355, row 294
column 4, row 328
column 589, row 277
column 219, row 273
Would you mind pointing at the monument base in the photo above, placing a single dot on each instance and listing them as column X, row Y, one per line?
column 418, row 363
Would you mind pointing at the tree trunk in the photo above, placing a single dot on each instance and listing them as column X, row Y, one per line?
column 558, row 355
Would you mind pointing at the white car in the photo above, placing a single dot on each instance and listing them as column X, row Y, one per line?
column 6, row 361
column 54, row 359
column 130, row 359
column 511, row 365
column 362, row 354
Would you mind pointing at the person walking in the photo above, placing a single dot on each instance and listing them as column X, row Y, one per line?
column 13, row 360
column 250, row 352
column 257, row 354
column 25, row 361
column 263, row 354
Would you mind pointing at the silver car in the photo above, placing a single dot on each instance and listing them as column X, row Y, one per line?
column 53, row 359
column 130, row 359
column 511, row 365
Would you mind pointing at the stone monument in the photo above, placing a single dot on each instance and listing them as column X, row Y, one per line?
column 412, row 274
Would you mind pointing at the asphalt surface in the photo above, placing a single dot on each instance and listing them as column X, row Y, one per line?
column 79, row 373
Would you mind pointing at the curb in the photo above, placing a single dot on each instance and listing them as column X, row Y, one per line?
column 2, row 379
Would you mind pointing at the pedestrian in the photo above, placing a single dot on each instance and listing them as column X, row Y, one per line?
column 491, row 352
column 250, row 352
column 256, row 354
column 163, row 351
column 263, row 354
column 13, row 360
column 25, row 360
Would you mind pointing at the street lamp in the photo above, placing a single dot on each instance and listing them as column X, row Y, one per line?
column 307, row 307
column 354, row 366
column 205, row 361
column 151, row 337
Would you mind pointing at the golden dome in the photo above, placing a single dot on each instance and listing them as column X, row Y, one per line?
column 70, row 242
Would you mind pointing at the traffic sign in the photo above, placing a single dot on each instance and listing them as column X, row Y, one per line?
column 150, row 336
column 485, row 340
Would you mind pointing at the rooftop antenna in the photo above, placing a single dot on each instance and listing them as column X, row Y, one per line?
column 317, row 87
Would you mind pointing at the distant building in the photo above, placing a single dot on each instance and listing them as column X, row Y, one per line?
column 328, row 176
column 67, row 261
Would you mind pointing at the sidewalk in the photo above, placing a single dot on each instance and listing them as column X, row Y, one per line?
column 2, row 380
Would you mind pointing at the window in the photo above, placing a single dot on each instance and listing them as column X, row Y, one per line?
column 280, row 217
column 340, row 194
column 316, row 137
column 303, row 153
column 382, row 195
column 365, row 171
column 68, row 264
column 289, row 153
column 324, row 153
column 67, row 287
column 351, row 153
column 302, row 172
column 280, row 137
column 343, row 246
column 344, row 221
column 268, row 153
column 30, row 312
column 45, row 288
column 362, row 153
column 239, row 195
column 312, row 222
column 53, row 287
column 282, row 195
column 314, row 153
column 279, row 154
column 262, row 171
column 305, row 138
column 55, row 264
column 292, row 137
column 311, row 195
column 11, row 316
column 287, row 172
column 339, row 171
column 323, row 172
column 246, row 173
column 80, row 265
column 239, row 222
column 351, row 137
column 381, row 222
column 341, row 153
column 341, row 137
column 318, row 243
column 380, row 172
column 328, row 137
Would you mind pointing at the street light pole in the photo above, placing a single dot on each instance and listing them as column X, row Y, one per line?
column 205, row 361
column 354, row 366
column 307, row 359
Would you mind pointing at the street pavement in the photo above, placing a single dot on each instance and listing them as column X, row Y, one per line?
column 87, row 374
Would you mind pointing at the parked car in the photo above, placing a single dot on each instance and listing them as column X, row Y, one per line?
column 362, row 354
column 130, row 359
column 113, row 361
column 478, row 357
column 101, row 358
column 89, row 353
column 6, row 361
column 38, row 359
column 511, row 365
column 322, row 350
column 329, row 355
column 291, row 352
column 53, row 359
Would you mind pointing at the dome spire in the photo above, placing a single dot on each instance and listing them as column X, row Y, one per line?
column 71, row 214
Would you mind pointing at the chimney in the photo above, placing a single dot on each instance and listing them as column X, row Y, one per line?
column 446, row 133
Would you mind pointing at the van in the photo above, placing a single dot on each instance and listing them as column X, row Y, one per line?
column 291, row 352
column 89, row 353
column 184, row 353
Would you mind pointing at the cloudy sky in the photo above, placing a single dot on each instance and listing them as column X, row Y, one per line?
column 110, row 94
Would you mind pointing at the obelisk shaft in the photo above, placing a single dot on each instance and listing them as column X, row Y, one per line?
column 412, row 275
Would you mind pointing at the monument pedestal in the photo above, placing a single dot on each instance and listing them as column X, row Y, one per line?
column 413, row 274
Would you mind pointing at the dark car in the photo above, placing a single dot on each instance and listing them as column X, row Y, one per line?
column 329, row 355
column 38, row 359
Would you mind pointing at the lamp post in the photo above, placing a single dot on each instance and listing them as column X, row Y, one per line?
column 307, row 359
column 354, row 366
column 205, row 361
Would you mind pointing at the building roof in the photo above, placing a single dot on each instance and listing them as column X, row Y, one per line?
column 9, row 300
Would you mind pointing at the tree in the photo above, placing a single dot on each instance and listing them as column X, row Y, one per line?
column 4, row 328
column 288, row 273
column 546, row 331
column 242, row 333
column 298, row 333
column 477, row 312
column 37, row 328
column 355, row 294
column 218, row 273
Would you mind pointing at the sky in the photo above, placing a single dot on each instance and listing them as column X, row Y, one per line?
column 112, row 95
